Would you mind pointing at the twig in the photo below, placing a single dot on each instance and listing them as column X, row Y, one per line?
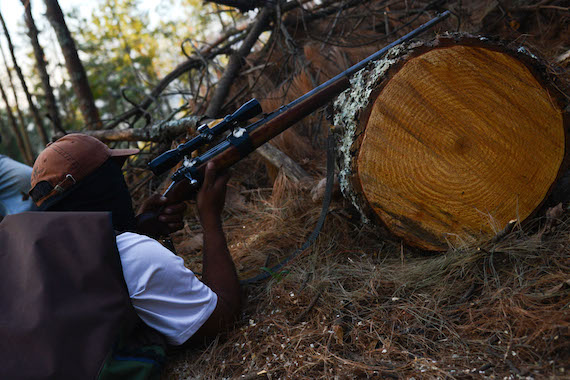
column 305, row 312
column 242, row 5
column 563, row 58
column 505, row 231
column 141, row 183
column 255, row 375
column 172, row 114
column 142, row 110
column 193, row 63
column 485, row 367
column 289, row 41
column 236, row 61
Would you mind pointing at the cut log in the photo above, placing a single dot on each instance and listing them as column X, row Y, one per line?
column 446, row 142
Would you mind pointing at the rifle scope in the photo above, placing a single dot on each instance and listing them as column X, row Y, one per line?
column 169, row 159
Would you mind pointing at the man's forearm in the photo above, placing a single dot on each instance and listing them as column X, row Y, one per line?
column 219, row 271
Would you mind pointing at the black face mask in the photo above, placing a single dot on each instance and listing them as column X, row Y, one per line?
column 103, row 190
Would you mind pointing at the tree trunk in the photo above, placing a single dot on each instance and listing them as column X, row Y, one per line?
column 14, row 126
column 74, row 66
column 445, row 143
column 25, row 136
column 31, row 104
column 41, row 66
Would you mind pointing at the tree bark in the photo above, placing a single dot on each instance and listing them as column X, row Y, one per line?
column 163, row 131
column 31, row 104
column 41, row 66
column 447, row 142
column 25, row 136
column 14, row 126
column 74, row 66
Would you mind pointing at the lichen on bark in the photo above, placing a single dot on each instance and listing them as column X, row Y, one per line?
column 347, row 109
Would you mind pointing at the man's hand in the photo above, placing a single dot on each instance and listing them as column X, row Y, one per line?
column 211, row 197
column 169, row 215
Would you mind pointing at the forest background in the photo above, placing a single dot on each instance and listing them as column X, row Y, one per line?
column 357, row 303
column 126, row 46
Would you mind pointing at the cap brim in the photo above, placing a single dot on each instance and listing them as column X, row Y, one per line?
column 124, row 152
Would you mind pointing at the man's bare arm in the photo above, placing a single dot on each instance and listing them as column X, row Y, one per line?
column 218, row 270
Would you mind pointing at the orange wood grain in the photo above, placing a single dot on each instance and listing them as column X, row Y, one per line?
column 460, row 141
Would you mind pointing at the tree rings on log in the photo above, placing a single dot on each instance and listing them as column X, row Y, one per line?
column 446, row 142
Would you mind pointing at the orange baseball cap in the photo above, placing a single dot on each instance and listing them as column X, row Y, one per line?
column 67, row 161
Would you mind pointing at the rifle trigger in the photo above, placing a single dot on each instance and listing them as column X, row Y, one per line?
column 190, row 179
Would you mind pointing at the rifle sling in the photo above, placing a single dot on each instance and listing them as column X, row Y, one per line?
column 324, row 211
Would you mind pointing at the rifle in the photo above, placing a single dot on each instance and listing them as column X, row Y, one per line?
column 241, row 141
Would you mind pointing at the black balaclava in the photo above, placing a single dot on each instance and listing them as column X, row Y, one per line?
column 103, row 190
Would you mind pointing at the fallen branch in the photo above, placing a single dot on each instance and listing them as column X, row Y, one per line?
column 242, row 5
column 281, row 161
column 162, row 131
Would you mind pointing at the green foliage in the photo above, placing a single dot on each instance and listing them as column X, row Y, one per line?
column 126, row 49
column 121, row 53
column 277, row 276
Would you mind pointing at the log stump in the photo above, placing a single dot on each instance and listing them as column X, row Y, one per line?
column 446, row 142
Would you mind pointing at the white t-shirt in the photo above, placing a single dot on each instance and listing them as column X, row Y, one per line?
column 165, row 294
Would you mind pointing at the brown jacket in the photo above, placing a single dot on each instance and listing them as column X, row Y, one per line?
column 63, row 297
